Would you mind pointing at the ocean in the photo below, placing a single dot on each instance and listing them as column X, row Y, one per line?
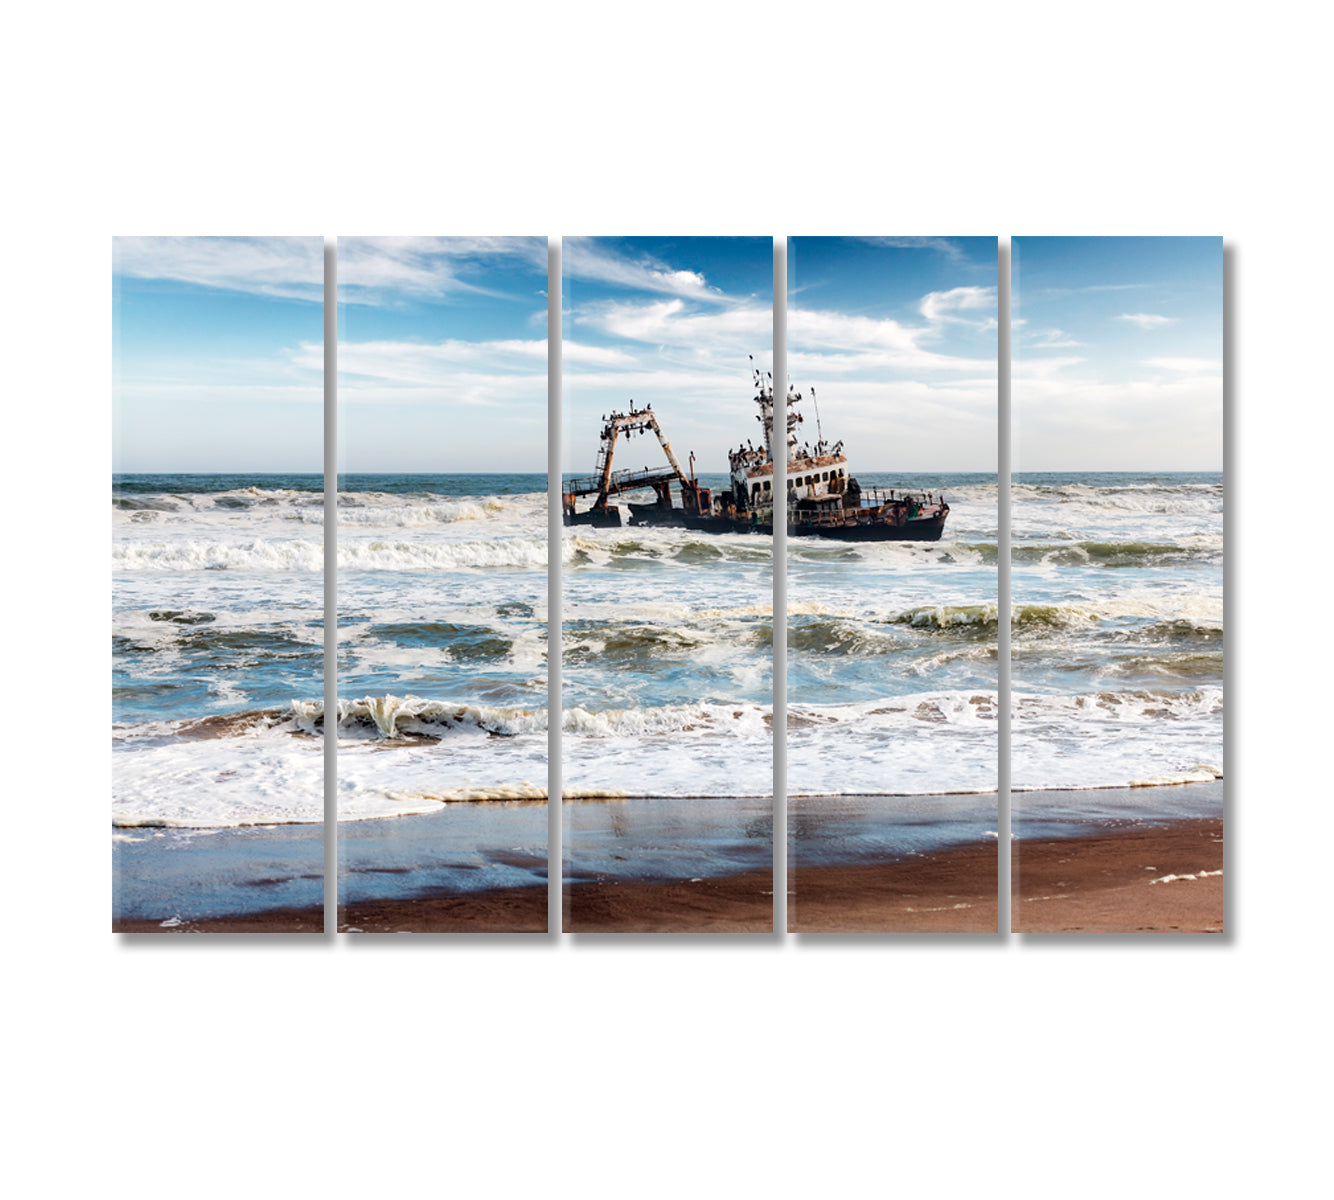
column 667, row 643
column 217, row 642
column 217, row 629
column 667, row 661
column 892, row 669
column 442, row 641
column 1117, row 643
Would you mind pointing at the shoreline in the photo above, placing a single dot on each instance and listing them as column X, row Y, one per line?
column 1164, row 876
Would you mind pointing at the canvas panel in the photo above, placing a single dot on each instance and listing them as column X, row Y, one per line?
column 667, row 586
column 1117, row 626
column 892, row 584
column 442, row 584
column 218, row 584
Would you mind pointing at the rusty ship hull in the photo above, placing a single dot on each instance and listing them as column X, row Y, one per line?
column 870, row 528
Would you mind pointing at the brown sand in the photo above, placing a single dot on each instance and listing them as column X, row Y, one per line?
column 277, row 920
column 502, row 910
column 1096, row 884
column 953, row 891
column 730, row 904
column 1105, row 883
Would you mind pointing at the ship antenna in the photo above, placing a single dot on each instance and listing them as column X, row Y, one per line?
column 819, row 433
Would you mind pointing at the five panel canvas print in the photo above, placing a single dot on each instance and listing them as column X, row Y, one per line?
column 679, row 433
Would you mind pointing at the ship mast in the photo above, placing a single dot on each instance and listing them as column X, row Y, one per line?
column 764, row 399
column 794, row 419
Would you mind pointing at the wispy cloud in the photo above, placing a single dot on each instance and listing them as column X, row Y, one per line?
column 432, row 362
column 371, row 270
column 584, row 258
column 949, row 249
column 1146, row 320
column 288, row 267
column 939, row 307
column 376, row 271
column 1042, row 368
column 673, row 323
column 1088, row 287
column 1051, row 339
column 438, row 363
column 849, row 342
column 1187, row 366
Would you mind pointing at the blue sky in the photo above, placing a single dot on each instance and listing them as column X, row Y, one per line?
column 1117, row 354
column 1117, row 350
column 214, row 369
column 898, row 337
column 666, row 321
column 442, row 354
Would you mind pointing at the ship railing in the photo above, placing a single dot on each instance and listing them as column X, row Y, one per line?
column 812, row 517
column 621, row 481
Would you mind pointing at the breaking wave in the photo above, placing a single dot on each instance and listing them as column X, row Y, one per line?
column 257, row 555
column 1140, row 498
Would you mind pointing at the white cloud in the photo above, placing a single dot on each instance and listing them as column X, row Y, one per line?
column 197, row 397
column 938, row 307
column 1187, row 366
column 1146, row 320
column 1068, row 419
column 690, row 350
column 1041, row 368
column 289, row 267
column 882, row 342
column 370, row 270
column 374, row 270
column 1051, row 339
column 583, row 258
column 946, row 247
column 435, row 363
column 673, row 323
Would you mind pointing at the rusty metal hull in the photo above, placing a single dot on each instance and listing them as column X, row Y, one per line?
column 602, row 518
column 922, row 529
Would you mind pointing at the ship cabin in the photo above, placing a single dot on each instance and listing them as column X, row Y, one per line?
column 811, row 479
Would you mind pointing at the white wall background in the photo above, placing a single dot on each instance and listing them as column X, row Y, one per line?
column 690, row 1066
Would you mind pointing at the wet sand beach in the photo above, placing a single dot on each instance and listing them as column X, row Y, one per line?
column 1157, row 879
column 669, row 864
column 892, row 864
column 1114, row 878
column 950, row 891
column 723, row 904
column 278, row 920
column 499, row 910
